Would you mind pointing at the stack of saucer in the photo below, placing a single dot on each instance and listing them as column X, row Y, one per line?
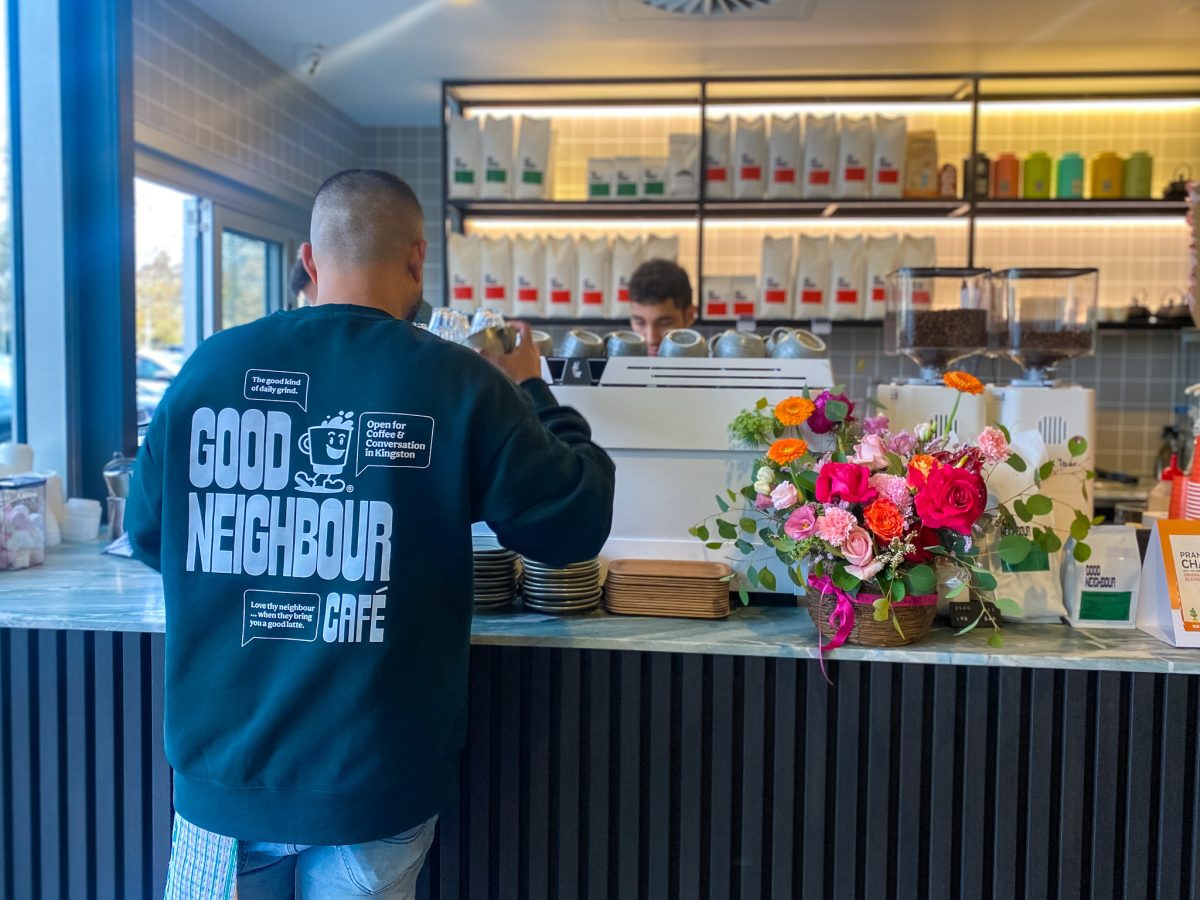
column 661, row 587
column 495, row 579
column 572, row 589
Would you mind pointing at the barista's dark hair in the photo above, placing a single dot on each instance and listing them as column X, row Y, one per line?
column 364, row 216
column 659, row 281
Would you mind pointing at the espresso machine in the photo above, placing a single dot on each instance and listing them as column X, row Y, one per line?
column 936, row 317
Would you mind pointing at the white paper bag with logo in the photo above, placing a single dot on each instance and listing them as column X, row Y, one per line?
column 750, row 158
column 854, row 158
column 463, row 150
column 1102, row 592
column 528, row 277
column 462, row 258
column 919, row 252
column 718, row 180
column 626, row 257
column 659, row 246
column 820, row 155
column 883, row 256
column 561, row 301
column 497, row 158
column 783, row 158
column 533, row 159
column 495, row 274
column 776, row 278
column 592, row 262
column 627, row 177
column 812, row 277
column 653, row 183
column 716, row 301
column 743, row 294
column 848, row 277
column 600, row 172
column 887, row 169
column 683, row 166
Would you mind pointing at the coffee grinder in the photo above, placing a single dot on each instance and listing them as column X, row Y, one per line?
column 1041, row 318
column 935, row 317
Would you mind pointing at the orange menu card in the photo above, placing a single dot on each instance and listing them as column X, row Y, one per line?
column 1169, row 598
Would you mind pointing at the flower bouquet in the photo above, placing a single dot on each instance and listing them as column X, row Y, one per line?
column 869, row 523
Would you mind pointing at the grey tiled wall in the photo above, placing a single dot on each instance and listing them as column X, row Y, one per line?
column 200, row 84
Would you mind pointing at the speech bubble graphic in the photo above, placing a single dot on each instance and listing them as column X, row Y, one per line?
column 394, row 441
column 277, row 387
column 280, row 616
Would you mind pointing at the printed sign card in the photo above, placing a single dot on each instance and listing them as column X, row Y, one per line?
column 1170, row 588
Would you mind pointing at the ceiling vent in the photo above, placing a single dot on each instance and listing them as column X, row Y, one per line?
column 711, row 10
column 709, row 7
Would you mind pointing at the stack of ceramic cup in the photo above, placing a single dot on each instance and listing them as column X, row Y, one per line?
column 570, row 589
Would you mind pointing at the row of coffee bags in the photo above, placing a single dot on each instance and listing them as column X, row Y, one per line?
column 553, row 277
column 498, row 159
column 817, row 277
column 627, row 178
column 831, row 157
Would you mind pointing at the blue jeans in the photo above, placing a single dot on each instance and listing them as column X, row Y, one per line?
column 387, row 869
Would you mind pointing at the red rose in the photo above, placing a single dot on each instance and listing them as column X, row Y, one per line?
column 952, row 498
column 921, row 538
column 844, row 481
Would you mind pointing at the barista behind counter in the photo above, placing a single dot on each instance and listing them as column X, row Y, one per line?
column 660, row 299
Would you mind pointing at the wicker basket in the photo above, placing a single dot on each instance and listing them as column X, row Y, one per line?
column 914, row 621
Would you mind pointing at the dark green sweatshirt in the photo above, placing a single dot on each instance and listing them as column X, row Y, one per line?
column 307, row 488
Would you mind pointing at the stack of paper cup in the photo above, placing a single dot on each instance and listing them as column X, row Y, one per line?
column 16, row 459
column 82, row 522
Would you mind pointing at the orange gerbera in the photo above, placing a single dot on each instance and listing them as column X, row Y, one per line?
column 785, row 450
column 964, row 382
column 885, row 519
column 794, row 410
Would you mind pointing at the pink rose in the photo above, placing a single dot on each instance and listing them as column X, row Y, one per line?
column 894, row 488
column 867, row 572
column 952, row 498
column 858, row 548
column 784, row 496
column 870, row 452
column 801, row 524
column 833, row 526
column 875, row 424
column 993, row 445
column 762, row 502
column 903, row 442
column 844, row 481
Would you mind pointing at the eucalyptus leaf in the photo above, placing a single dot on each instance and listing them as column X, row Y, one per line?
column 767, row 579
column 726, row 530
column 752, row 576
column 1013, row 548
column 845, row 580
column 970, row 627
column 1045, row 470
column 747, row 525
column 749, row 493
column 1082, row 553
column 1009, row 607
column 743, row 596
column 721, row 504
column 921, row 580
column 1050, row 542
column 1099, row 520
column 1077, row 446
column 701, row 532
column 984, row 581
column 883, row 609
column 836, row 410
column 1022, row 511
column 795, row 577
column 1004, row 431
column 783, row 557
column 1080, row 526
column 732, row 496
column 1016, row 463
column 1039, row 505
column 995, row 641
column 744, row 546
column 762, row 403
column 955, row 591
column 714, row 545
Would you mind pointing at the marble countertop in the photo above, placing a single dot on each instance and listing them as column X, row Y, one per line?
column 80, row 589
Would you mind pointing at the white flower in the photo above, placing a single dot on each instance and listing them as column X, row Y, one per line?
column 765, row 475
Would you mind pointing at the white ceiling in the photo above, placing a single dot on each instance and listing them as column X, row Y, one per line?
column 385, row 59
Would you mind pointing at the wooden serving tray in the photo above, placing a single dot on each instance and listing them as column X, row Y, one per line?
column 668, row 568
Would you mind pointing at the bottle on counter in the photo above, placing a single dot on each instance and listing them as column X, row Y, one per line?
column 1069, row 184
column 1159, row 499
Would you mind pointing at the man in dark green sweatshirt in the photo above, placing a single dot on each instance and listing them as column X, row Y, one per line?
column 307, row 488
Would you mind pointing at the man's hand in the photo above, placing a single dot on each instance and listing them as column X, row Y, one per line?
column 524, row 362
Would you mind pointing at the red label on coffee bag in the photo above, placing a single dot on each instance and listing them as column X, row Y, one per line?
column 464, row 292
column 775, row 296
column 751, row 173
column 527, row 295
column 560, row 296
column 846, row 296
column 717, row 174
column 784, row 176
column 855, row 173
column 887, row 176
column 593, row 298
column 718, row 309
column 819, row 176
column 812, row 296
column 494, row 292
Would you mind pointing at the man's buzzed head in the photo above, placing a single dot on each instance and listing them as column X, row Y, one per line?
column 365, row 216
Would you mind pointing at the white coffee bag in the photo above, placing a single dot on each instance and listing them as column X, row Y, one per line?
column 1103, row 592
column 883, row 256
column 463, row 148
column 820, row 155
column 600, row 173
column 533, row 159
column 718, row 180
column 847, row 267
column 783, row 158
column 750, row 158
column 716, row 302
column 627, row 177
column 497, row 158
column 653, row 183
column 495, row 274
column 776, row 278
column 528, row 277
column 919, row 252
column 812, row 277
column 854, row 157
column 887, row 167
column 683, row 165
column 462, row 260
column 592, row 262
column 660, row 246
column 561, row 300
column 743, row 294
column 626, row 257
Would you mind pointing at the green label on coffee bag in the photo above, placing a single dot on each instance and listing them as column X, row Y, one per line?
column 1038, row 560
column 1104, row 606
column 653, row 189
column 531, row 177
column 464, row 177
column 500, row 175
column 599, row 190
column 626, row 190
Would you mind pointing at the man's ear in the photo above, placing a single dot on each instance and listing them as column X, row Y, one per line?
column 689, row 316
column 416, row 261
column 306, row 258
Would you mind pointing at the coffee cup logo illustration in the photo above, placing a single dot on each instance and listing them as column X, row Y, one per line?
column 328, row 449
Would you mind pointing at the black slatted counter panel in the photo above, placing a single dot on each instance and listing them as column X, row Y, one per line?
column 603, row 774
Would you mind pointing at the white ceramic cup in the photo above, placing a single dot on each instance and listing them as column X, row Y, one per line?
column 736, row 344
column 683, row 342
column 798, row 344
column 581, row 343
column 625, row 343
column 544, row 342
